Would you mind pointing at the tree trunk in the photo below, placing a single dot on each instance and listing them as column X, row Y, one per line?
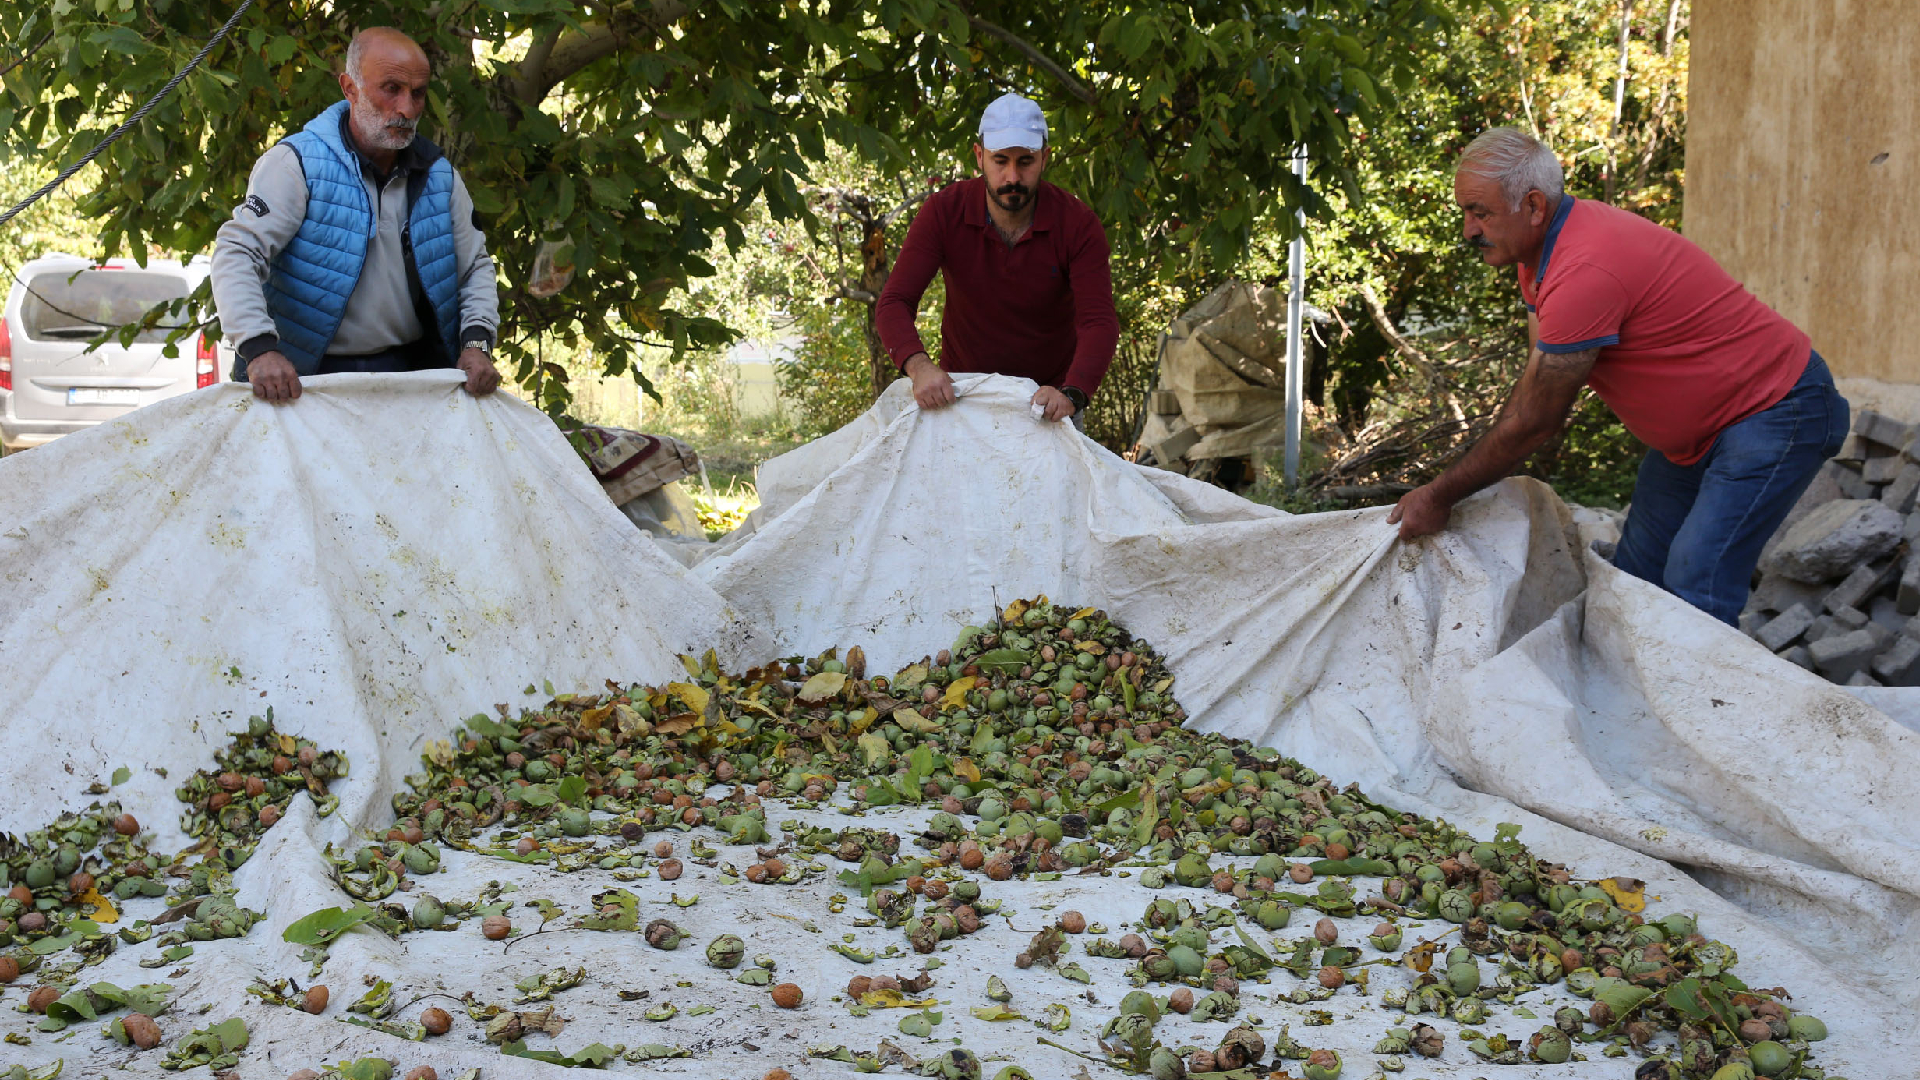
column 875, row 264
column 1610, row 178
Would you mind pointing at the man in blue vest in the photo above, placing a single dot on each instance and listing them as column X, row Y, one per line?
column 356, row 247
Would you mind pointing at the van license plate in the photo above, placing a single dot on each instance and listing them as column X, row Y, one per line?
column 102, row 395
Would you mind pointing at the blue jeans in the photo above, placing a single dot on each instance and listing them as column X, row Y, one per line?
column 1697, row 530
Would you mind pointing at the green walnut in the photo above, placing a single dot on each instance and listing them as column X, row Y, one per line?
column 1551, row 1046
column 726, row 951
column 1463, row 979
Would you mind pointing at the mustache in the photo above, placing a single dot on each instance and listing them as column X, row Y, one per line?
column 1013, row 189
column 1481, row 242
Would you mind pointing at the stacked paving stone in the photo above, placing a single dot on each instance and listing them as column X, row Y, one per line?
column 1840, row 581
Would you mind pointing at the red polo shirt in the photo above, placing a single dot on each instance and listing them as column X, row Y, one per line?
column 1685, row 350
column 1041, row 308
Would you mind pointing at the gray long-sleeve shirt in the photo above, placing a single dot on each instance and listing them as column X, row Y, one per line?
column 380, row 314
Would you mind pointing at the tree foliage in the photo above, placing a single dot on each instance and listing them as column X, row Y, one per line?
column 1417, row 317
column 645, row 129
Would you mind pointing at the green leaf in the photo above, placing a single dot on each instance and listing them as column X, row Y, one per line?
column 72, row 1005
column 231, row 1033
column 148, row 998
column 1004, row 661
column 1149, row 815
column 918, row 1023
column 121, row 775
column 982, row 741
column 376, row 1002
column 592, row 1056
column 364, row 1069
column 324, row 925
column 625, row 918
column 572, row 789
column 47, row 946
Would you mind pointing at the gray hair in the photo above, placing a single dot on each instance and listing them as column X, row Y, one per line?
column 357, row 48
column 1518, row 161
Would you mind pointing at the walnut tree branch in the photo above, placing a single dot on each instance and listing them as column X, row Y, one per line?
column 554, row 58
column 1041, row 60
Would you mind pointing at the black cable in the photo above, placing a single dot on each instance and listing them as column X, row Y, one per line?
column 138, row 116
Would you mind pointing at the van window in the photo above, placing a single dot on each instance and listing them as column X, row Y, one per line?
column 64, row 306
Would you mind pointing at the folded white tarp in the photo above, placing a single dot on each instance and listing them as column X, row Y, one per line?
column 373, row 561
column 388, row 555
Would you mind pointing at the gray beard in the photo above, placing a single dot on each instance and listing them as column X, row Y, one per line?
column 379, row 136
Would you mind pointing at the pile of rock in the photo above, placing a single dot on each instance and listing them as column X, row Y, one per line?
column 1838, row 587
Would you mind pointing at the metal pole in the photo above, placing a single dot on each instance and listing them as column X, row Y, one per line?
column 1296, row 296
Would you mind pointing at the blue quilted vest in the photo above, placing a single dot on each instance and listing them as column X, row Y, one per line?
column 315, row 274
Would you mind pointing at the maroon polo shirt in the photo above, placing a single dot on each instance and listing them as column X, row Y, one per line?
column 1041, row 308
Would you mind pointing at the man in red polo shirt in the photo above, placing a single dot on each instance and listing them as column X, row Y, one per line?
column 1736, row 407
column 1029, row 292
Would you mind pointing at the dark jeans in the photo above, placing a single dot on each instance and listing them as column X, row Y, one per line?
column 413, row 356
column 1697, row 530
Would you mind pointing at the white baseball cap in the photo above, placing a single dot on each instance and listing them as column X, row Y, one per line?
column 1013, row 121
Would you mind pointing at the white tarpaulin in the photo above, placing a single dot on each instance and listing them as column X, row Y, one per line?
column 361, row 560
column 388, row 555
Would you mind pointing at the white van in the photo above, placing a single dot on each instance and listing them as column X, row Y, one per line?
column 50, row 385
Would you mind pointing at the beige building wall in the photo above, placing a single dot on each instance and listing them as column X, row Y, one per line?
column 1803, row 168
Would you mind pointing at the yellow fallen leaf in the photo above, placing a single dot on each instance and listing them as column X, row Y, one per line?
column 859, row 722
column 914, row 722
column 103, row 909
column 966, row 770
column 956, row 696
column 875, row 748
column 1420, row 957
column 892, row 999
column 1082, row 613
column 1013, row 612
column 694, row 697
column 594, row 717
column 440, row 752
column 1093, row 647
column 823, row 686
column 288, row 745
column 1629, row 893
column 631, row 722
column 1212, row 787
column 678, row 724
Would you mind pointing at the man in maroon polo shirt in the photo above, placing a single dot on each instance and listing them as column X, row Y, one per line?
column 1736, row 408
column 1029, row 292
